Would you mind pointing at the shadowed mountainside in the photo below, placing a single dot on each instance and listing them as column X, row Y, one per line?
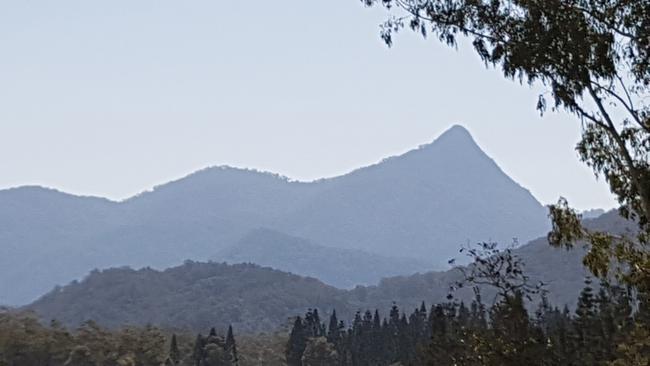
column 341, row 268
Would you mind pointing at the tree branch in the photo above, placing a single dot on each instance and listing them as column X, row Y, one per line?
column 628, row 105
column 440, row 21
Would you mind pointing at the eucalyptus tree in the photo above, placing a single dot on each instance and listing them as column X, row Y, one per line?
column 593, row 59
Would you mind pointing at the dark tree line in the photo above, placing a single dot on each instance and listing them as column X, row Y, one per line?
column 506, row 333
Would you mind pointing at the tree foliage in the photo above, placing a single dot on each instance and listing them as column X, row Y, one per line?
column 499, row 269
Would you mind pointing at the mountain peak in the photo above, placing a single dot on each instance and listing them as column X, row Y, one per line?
column 456, row 134
column 455, row 142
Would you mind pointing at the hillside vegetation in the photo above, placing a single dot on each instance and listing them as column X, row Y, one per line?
column 254, row 298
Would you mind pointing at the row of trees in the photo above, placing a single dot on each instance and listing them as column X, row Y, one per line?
column 609, row 327
column 597, row 333
column 25, row 341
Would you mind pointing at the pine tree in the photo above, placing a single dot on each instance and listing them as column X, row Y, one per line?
column 174, row 353
column 313, row 324
column 393, row 341
column 333, row 331
column 406, row 343
column 478, row 313
column 514, row 339
column 586, row 327
column 378, row 340
column 463, row 315
column 231, row 347
column 198, row 353
column 297, row 343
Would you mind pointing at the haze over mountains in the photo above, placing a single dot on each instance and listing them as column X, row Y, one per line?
column 255, row 299
column 421, row 206
column 342, row 268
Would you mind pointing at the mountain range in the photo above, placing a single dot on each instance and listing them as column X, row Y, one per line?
column 415, row 209
column 255, row 298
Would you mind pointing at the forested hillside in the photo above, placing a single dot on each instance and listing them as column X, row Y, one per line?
column 249, row 297
column 254, row 298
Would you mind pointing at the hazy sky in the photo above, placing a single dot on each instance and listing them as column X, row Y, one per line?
column 110, row 98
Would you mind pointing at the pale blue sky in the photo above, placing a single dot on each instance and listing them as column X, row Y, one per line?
column 109, row 98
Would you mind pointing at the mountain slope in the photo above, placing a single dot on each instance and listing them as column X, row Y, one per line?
column 561, row 270
column 189, row 296
column 41, row 232
column 342, row 268
column 258, row 299
column 261, row 299
column 423, row 205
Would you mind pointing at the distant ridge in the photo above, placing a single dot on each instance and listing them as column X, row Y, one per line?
column 256, row 299
column 421, row 205
column 456, row 134
column 342, row 268
column 250, row 297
